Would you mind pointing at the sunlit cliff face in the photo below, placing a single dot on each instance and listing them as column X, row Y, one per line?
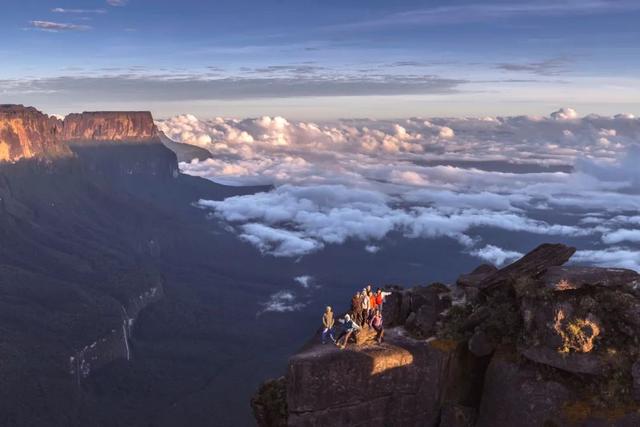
column 26, row 132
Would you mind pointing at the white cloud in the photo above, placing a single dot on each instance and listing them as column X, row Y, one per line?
column 117, row 2
column 58, row 26
column 621, row 235
column 304, row 281
column 610, row 257
column 496, row 255
column 281, row 302
column 565, row 114
column 372, row 249
column 363, row 179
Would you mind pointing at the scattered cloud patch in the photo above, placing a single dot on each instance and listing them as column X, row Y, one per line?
column 496, row 255
column 58, row 26
column 281, row 302
column 372, row 249
column 78, row 11
column 117, row 3
column 304, row 281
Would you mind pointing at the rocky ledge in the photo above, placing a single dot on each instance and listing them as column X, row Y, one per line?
column 535, row 343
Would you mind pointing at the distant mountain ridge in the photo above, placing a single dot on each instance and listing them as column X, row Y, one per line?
column 26, row 132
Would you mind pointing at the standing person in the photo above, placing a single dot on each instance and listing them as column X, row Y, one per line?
column 349, row 327
column 377, row 325
column 380, row 297
column 327, row 324
column 372, row 304
column 366, row 306
column 356, row 305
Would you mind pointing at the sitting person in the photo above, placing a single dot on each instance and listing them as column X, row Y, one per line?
column 376, row 324
column 349, row 328
column 327, row 325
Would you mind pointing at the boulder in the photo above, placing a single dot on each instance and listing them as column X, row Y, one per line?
column 532, row 265
column 480, row 345
column 514, row 395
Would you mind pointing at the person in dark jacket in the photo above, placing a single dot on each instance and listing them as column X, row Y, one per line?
column 356, row 306
column 327, row 325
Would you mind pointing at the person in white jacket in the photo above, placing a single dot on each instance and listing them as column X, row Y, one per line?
column 366, row 306
column 349, row 327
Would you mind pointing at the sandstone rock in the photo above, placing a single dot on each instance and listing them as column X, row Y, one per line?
column 480, row 345
column 397, row 383
column 514, row 395
column 26, row 132
column 635, row 373
column 481, row 314
column 457, row 416
column 572, row 278
column 365, row 336
column 476, row 276
column 269, row 404
column 531, row 265
column 427, row 303
column 392, row 309
column 577, row 363
column 128, row 126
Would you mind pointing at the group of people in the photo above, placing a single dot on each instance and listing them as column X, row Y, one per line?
column 366, row 311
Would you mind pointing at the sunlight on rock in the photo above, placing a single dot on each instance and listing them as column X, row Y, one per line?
column 386, row 360
column 577, row 334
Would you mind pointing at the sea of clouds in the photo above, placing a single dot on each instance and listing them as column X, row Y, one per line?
column 562, row 176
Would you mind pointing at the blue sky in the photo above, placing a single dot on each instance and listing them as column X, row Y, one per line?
column 322, row 59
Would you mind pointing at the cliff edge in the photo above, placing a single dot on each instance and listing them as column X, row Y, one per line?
column 536, row 343
column 26, row 132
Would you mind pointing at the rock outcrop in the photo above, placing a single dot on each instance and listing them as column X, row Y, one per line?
column 123, row 126
column 26, row 132
column 537, row 344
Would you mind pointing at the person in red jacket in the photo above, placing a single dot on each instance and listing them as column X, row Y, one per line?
column 372, row 304
column 380, row 297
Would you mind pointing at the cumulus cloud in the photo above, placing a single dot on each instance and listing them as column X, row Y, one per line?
column 565, row 114
column 422, row 178
column 58, row 26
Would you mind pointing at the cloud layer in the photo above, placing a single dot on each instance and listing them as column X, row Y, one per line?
column 562, row 176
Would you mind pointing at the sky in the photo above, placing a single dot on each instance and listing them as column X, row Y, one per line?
column 322, row 59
